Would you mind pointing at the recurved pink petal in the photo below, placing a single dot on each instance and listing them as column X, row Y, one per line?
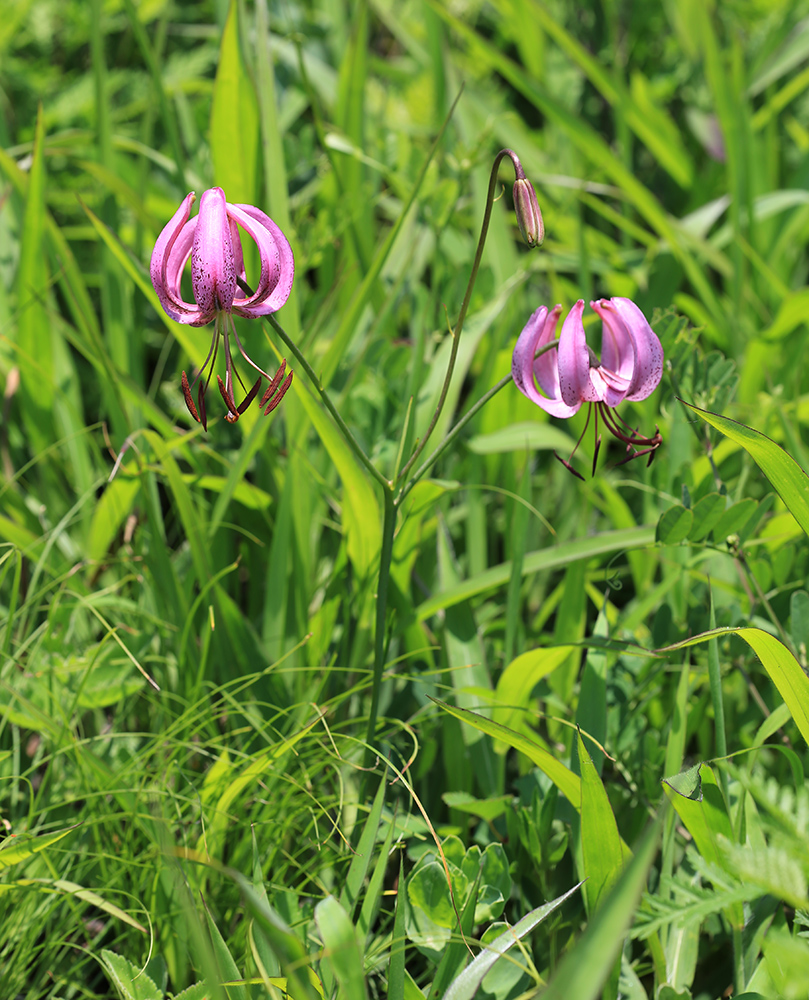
column 163, row 267
column 538, row 331
column 213, row 265
column 648, row 369
column 277, row 261
column 575, row 384
column 617, row 348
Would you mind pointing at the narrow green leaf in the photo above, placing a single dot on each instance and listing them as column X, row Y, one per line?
column 361, row 515
column 228, row 970
column 551, row 558
column 342, row 952
column 18, row 847
column 518, row 680
column 363, row 856
column 587, row 965
column 234, row 118
column 287, row 947
column 600, row 841
column 466, row 985
column 781, row 469
column 396, row 966
column 565, row 780
column 784, row 670
column 35, row 353
column 262, row 952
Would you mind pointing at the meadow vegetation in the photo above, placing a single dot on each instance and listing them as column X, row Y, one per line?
column 270, row 724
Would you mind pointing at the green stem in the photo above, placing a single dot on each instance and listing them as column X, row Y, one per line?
column 385, row 558
column 484, row 399
column 350, row 440
column 456, row 333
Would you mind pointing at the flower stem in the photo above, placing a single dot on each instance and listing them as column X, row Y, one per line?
column 456, row 333
column 484, row 399
column 385, row 558
column 350, row 440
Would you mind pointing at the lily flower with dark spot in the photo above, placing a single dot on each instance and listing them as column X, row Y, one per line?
column 630, row 368
column 218, row 282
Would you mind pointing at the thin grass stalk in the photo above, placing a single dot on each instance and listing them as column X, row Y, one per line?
column 458, row 329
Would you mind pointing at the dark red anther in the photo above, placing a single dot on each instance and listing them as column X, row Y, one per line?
column 229, row 403
column 189, row 400
column 248, row 399
column 276, row 380
column 201, row 401
column 281, row 393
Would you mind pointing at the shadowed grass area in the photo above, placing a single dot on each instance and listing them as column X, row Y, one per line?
column 232, row 751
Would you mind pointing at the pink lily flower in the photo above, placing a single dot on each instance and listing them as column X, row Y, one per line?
column 631, row 367
column 218, row 281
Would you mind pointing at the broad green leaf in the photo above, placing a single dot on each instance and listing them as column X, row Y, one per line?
column 781, row 469
column 734, row 519
column 705, row 817
column 466, row 985
column 18, row 847
column 519, row 679
column 600, row 842
column 784, row 670
column 234, row 118
column 553, row 557
column 199, row 991
column 130, row 982
column 707, row 512
column 674, row 525
column 585, row 968
column 342, row 951
column 488, row 809
column 787, row 958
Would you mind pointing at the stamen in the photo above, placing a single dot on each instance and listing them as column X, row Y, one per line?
column 274, row 382
column 201, row 401
column 248, row 399
column 189, row 399
column 281, row 393
column 569, row 467
column 229, row 403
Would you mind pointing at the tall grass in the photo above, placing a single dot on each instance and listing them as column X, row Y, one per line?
column 220, row 761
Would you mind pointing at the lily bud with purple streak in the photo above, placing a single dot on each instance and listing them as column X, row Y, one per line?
column 529, row 216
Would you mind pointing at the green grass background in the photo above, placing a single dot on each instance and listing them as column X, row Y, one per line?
column 186, row 651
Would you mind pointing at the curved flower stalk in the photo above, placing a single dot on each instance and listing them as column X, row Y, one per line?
column 218, row 282
column 631, row 367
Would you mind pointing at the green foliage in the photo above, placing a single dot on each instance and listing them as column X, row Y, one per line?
column 220, row 775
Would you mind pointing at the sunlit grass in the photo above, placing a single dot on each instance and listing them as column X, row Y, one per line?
column 188, row 649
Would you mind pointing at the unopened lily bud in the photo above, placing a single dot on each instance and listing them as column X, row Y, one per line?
column 529, row 217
